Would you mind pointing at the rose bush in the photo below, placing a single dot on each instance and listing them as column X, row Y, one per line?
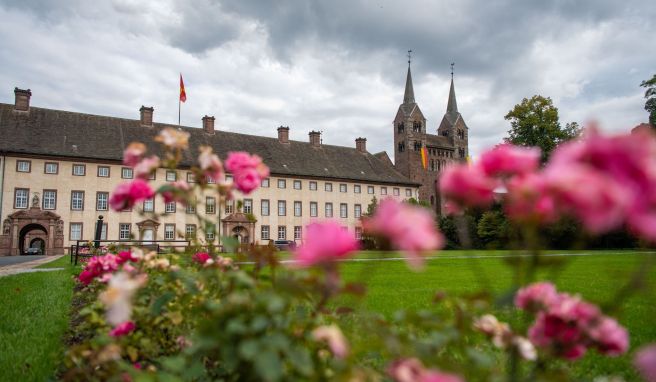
column 201, row 316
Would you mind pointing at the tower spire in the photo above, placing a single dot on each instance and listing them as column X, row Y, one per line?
column 452, row 105
column 409, row 96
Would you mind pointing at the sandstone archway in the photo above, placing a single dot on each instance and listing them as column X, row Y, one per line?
column 31, row 224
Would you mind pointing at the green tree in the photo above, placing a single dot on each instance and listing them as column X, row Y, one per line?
column 492, row 229
column 535, row 122
column 650, row 95
column 371, row 208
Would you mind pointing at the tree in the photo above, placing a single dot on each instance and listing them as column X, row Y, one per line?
column 492, row 229
column 650, row 95
column 534, row 122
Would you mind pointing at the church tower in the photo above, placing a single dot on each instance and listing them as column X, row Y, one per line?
column 453, row 126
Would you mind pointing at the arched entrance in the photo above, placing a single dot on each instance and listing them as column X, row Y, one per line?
column 241, row 234
column 38, row 243
column 32, row 233
column 239, row 226
column 32, row 226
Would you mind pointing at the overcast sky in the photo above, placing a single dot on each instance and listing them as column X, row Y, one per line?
column 335, row 66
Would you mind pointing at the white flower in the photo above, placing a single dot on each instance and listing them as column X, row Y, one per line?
column 525, row 348
column 118, row 296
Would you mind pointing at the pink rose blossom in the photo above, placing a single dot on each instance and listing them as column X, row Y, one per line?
column 146, row 167
column 528, row 200
column 412, row 370
column 173, row 138
column 123, row 329
column 432, row 375
column 324, row 243
column 335, row 339
column 210, row 163
column 248, row 170
column 97, row 267
column 509, row 160
column 201, row 257
column 126, row 195
column 645, row 362
column 609, row 337
column 410, row 229
column 467, row 186
column 133, row 153
column 126, row 256
column 536, row 296
column 564, row 338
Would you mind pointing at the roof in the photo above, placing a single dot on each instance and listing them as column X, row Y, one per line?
column 47, row 132
column 438, row 141
column 409, row 95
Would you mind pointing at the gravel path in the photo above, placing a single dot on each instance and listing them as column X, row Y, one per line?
column 28, row 266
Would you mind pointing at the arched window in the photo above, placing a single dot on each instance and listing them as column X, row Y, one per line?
column 461, row 134
column 400, row 128
column 417, row 146
column 416, row 127
column 445, row 133
column 401, row 146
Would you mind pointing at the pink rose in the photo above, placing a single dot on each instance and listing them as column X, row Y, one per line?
column 412, row 370
column 609, row 337
column 392, row 220
column 146, row 167
column 645, row 362
column 248, row 170
column 125, row 256
column 467, row 186
column 506, row 160
column 210, row 163
column 175, row 192
column 247, row 180
column 133, row 153
column 335, row 339
column 201, row 257
column 536, row 296
column 528, row 200
column 126, row 195
column 123, row 329
column 325, row 242
column 97, row 267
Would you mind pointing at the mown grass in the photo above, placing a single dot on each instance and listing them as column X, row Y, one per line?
column 33, row 318
column 391, row 286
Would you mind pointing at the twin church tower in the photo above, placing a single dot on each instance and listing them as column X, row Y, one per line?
column 449, row 145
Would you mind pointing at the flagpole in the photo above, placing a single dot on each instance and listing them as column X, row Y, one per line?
column 179, row 103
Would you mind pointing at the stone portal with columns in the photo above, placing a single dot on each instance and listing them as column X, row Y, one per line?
column 238, row 225
column 23, row 228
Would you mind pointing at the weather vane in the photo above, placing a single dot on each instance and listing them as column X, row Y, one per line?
column 409, row 56
column 452, row 64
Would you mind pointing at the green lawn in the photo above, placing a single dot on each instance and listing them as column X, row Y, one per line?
column 392, row 286
column 33, row 318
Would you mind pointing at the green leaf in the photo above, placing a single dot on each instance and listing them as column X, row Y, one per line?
column 269, row 366
column 160, row 302
column 249, row 349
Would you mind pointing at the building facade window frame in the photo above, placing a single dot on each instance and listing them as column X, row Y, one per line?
column 248, row 206
column 371, row 190
column 51, row 168
column 298, row 208
column 79, row 169
column 298, row 185
column 21, row 198
column 282, row 208
column 328, row 187
column 77, row 200
column 298, row 232
column 100, row 171
column 171, row 175
column 265, row 183
column 49, row 199
column 190, row 231
column 314, row 209
column 343, row 210
column 357, row 189
column 357, row 211
column 265, row 232
column 282, row 232
column 127, row 173
column 149, row 205
column 383, row 190
column 210, row 205
column 169, row 208
column 102, row 201
column 169, row 231
column 124, row 231
column 23, row 165
column 313, row 185
column 282, row 183
column 328, row 210
column 265, row 207
column 79, row 230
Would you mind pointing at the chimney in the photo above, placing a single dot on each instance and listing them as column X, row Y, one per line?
column 208, row 124
column 361, row 144
column 22, row 99
column 146, row 115
column 283, row 134
column 315, row 138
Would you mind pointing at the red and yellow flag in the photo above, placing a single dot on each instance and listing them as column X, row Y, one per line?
column 183, row 95
column 424, row 157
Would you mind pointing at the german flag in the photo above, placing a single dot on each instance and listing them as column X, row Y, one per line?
column 424, row 157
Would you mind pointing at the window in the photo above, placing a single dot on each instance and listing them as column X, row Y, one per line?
column 298, row 232
column 282, row 208
column 248, row 206
column 210, row 230
column 169, row 208
column 313, row 209
column 264, row 207
column 357, row 211
column 230, row 206
column 21, row 196
column 103, row 171
column 358, row 233
column 342, row 187
column 401, row 147
column 101, row 201
column 190, row 231
column 416, row 127
column 77, row 200
column 169, row 231
column 210, row 205
column 124, row 231
column 313, row 186
column 282, row 232
column 329, row 210
column 282, row 183
column 408, row 192
column 51, row 168
column 328, row 187
column 265, row 183
column 76, row 231
column 149, row 205
column 23, row 166
column 126, row 173
column 79, row 170
column 396, row 191
column 400, row 128
column 356, row 189
column 343, row 210
column 383, row 190
column 190, row 178
column 298, row 208
column 370, row 189
column 171, row 176
column 190, row 208
column 210, row 180
column 103, row 232
column 228, row 178
column 297, row 184
column 264, row 232
column 49, row 200
column 417, row 145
